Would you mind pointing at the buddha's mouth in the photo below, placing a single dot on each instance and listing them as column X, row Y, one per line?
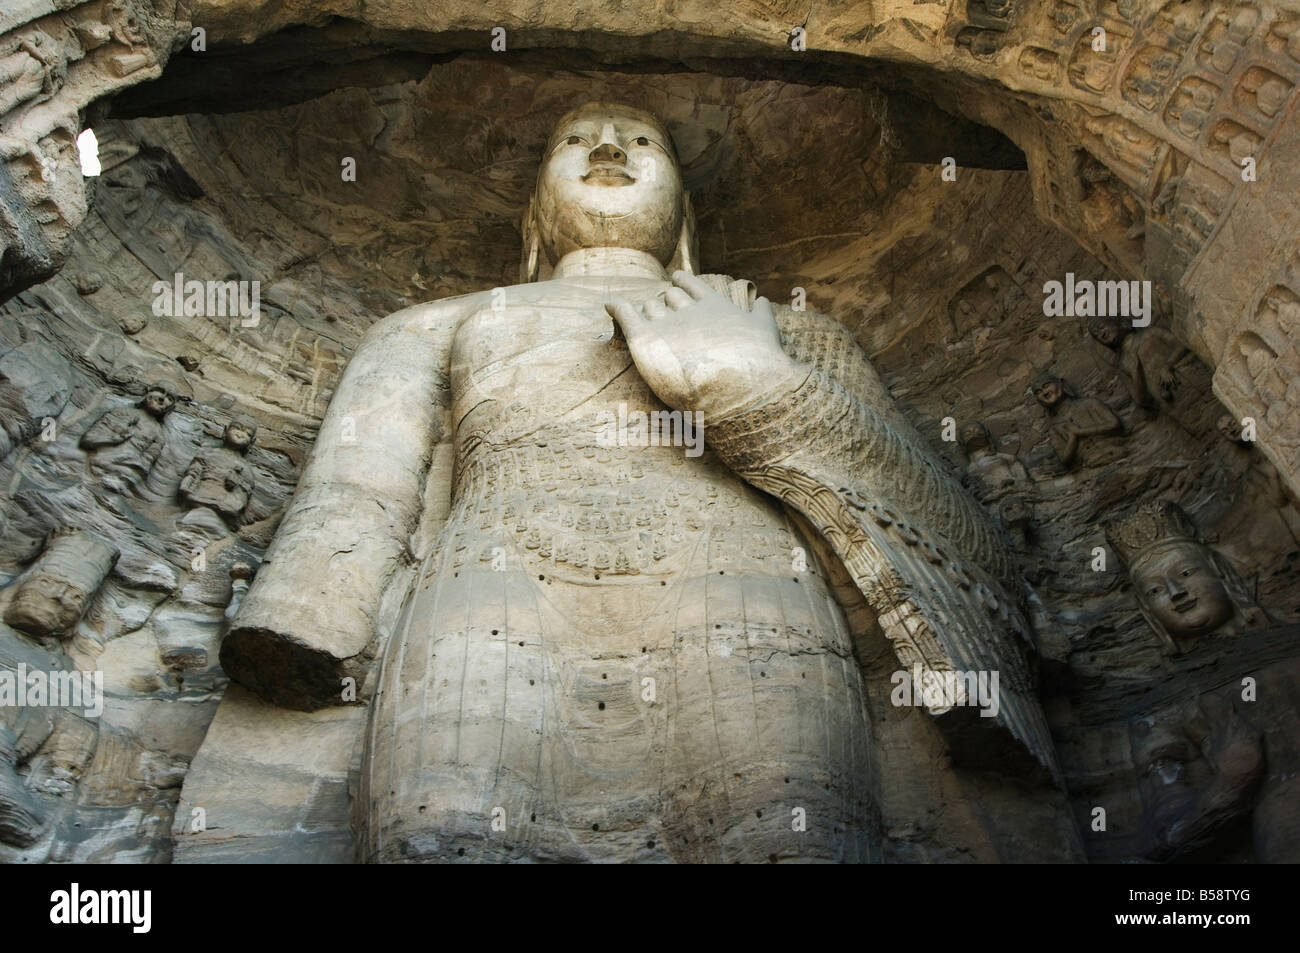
column 1187, row 606
column 608, row 175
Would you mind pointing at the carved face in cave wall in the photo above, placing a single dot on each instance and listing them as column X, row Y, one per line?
column 609, row 179
column 46, row 604
column 1180, row 587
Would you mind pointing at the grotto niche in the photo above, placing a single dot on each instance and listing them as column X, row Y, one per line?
column 665, row 440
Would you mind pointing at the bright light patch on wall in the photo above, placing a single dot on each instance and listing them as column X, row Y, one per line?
column 88, row 147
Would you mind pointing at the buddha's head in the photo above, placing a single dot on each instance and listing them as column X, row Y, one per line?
column 1049, row 390
column 609, row 179
column 1107, row 329
column 52, row 597
column 974, row 437
column 240, row 433
column 157, row 401
column 1184, row 588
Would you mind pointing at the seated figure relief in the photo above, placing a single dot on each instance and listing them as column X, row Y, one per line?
column 221, row 478
column 1148, row 359
column 1071, row 418
column 125, row 442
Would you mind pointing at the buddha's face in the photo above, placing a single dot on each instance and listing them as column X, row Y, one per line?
column 1107, row 332
column 1230, row 428
column 46, row 603
column 238, row 437
column 157, row 402
column 1180, row 587
column 1049, row 392
column 974, row 436
column 609, row 180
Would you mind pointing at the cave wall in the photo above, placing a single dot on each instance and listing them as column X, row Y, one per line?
column 939, row 281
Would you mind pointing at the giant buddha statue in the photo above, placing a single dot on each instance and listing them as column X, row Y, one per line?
column 616, row 647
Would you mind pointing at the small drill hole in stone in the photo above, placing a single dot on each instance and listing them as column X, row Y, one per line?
column 461, row 852
column 532, row 817
column 541, row 576
column 423, row 808
column 494, row 631
column 595, row 827
column 650, row 844
column 530, row 681
column 604, row 675
column 601, row 706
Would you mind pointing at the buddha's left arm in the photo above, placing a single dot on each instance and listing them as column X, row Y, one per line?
column 918, row 547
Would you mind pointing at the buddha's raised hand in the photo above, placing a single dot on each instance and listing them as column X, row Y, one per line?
column 699, row 351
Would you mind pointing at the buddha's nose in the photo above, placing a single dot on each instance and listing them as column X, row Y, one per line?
column 607, row 152
column 1177, row 591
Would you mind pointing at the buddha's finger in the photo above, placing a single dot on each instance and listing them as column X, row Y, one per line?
column 696, row 287
column 630, row 321
column 678, row 299
column 654, row 309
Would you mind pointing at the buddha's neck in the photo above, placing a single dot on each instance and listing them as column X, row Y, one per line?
column 611, row 262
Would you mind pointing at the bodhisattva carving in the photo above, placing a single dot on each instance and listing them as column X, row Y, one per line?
column 1185, row 590
column 604, row 643
column 1072, row 418
column 126, row 441
column 1148, row 359
column 53, row 595
column 221, row 478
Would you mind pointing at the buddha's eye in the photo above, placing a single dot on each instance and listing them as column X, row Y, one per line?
column 573, row 140
column 642, row 141
column 1153, row 591
column 1186, row 573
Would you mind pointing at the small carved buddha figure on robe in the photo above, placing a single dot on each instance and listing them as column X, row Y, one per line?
column 593, row 644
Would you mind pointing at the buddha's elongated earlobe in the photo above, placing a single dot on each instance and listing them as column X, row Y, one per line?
column 686, row 257
column 530, row 262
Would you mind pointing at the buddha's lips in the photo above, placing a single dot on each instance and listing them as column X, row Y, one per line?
column 608, row 175
column 1187, row 606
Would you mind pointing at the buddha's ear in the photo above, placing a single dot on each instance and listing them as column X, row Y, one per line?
column 686, row 257
column 530, row 262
